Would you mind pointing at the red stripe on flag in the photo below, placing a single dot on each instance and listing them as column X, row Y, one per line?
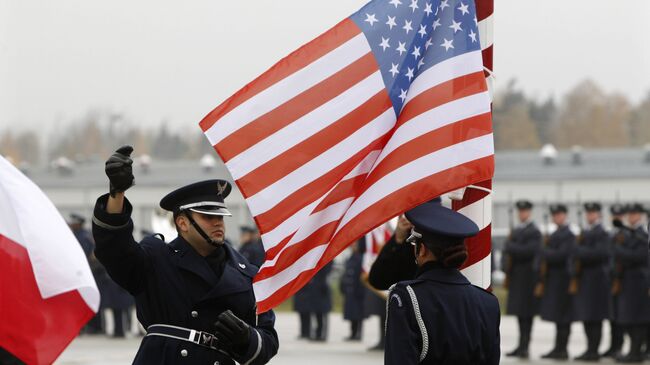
column 487, row 59
column 346, row 189
column 34, row 329
column 446, row 92
column 425, row 144
column 312, row 147
column 270, row 219
column 484, row 8
column 476, row 248
column 310, row 52
column 285, row 114
column 411, row 195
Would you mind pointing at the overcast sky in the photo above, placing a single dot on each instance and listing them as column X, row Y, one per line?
column 177, row 60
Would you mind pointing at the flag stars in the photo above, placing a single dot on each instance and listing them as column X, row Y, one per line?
column 423, row 30
column 402, row 95
column 436, row 24
column 384, row 43
column 475, row 20
column 370, row 18
column 409, row 74
column 427, row 9
column 407, row 26
column 416, row 52
column 420, row 63
column 395, row 2
column 391, row 22
column 444, row 4
column 428, row 44
column 472, row 35
column 447, row 44
column 414, row 5
column 401, row 47
column 463, row 8
column 455, row 26
column 393, row 69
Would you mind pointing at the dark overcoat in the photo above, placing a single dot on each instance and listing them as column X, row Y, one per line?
column 316, row 295
column 395, row 262
column 253, row 251
column 352, row 288
column 521, row 249
column 174, row 285
column 594, row 287
column 557, row 304
column 633, row 300
column 440, row 318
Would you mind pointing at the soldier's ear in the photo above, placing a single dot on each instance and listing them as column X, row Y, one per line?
column 182, row 223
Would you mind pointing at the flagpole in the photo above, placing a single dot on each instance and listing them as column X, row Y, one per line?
column 476, row 202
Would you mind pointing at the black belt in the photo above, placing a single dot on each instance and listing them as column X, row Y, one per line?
column 200, row 338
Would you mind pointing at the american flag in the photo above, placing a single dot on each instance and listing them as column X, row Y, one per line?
column 386, row 110
column 375, row 240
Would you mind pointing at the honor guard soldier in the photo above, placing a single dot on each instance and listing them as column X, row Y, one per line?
column 591, row 280
column 522, row 247
column 194, row 295
column 440, row 318
column 617, row 237
column 556, row 302
column 632, row 299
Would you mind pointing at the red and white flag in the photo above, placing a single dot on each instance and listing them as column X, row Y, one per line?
column 375, row 240
column 387, row 110
column 47, row 291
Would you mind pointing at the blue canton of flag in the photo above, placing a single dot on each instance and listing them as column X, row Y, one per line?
column 409, row 36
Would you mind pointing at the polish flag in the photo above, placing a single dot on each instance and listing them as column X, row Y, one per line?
column 47, row 291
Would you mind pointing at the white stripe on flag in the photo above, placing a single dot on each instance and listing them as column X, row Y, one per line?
column 436, row 118
column 480, row 211
column 267, row 287
column 406, row 174
column 479, row 273
column 314, row 222
column 268, row 198
column 449, row 69
column 486, row 31
column 305, row 127
column 287, row 88
column 293, row 223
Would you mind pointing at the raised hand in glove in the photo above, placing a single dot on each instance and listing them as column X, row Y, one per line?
column 233, row 333
column 119, row 170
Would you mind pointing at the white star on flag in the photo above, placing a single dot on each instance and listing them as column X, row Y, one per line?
column 391, row 22
column 448, row 44
column 384, row 43
column 370, row 18
column 455, row 26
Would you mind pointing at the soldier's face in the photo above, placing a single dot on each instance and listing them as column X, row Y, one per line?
column 634, row 217
column 212, row 225
column 592, row 217
column 523, row 214
column 559, row 218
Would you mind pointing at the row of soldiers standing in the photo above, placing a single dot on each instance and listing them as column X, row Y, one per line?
column 591, row 277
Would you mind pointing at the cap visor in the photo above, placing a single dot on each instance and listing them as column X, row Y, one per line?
column 211, row 210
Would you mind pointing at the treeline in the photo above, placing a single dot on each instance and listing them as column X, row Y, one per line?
column 586, row 116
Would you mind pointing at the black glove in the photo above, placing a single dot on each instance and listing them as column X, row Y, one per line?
column 232, row 333
column 119, row 170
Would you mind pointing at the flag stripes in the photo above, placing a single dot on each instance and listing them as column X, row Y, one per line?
column 320, row 156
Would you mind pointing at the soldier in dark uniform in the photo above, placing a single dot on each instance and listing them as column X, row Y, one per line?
column 440, row 318
column 556, row 302
column 251, row 246
column 632, row 299
column 313, row 302
column 616, row 236
column 194, row 295
column 591, row 280
column 354, row 291
column 520, row 251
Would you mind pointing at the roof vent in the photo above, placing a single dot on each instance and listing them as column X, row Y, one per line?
column 548, row 153
column 208, row 163
column 576, row 155
column 646, row 153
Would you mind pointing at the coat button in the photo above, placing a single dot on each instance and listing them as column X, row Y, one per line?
column 194, row 314
column 184, row 353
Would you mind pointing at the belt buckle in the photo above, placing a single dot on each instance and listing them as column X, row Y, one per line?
column 207, row 339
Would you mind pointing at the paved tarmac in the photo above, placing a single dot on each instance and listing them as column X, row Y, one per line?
column 103, row 350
